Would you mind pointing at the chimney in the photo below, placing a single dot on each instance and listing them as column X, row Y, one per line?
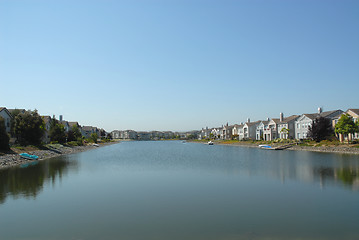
column 320, row 110
column 267, row 118
column 60, row 118
column 281, row 117
column 53, row 116
column 248, row 120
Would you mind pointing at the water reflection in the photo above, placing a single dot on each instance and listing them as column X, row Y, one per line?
column 28, row 179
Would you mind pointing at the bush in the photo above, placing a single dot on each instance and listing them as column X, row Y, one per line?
column 4, row 137
column 72, row 143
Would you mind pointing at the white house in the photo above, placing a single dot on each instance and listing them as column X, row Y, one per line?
column 6, row 115
column 249, row 130
column 260, row 129
column 306, row 120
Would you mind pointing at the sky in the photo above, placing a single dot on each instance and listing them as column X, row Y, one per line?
column 178, row 65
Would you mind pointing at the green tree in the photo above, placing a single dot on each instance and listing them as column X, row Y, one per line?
column 93, row 137
column 4, row 137
column 74, row 134
column 57, row 132
column 320, row 129
column 109, row 136
column 29, row 128
column 12, row 125
column 346, row 125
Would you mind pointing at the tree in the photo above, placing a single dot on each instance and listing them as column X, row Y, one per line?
column 12, row 125
column 74, row 134
column 57, row 132
column 109, row 136
column 4, row 137
column 346, row 125
column 29, row 128
column 320, row 129
column 93, row 137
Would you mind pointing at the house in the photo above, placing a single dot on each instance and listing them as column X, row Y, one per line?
column 271, row 131
column 226, row 133
column 216, row 132
column 6, row 115
column 260, row 129
column 73, row 124
column 47, row 121
column 305, row 120
column 354, row 113
column 66, row 125
column 286, row 127
column 236, row 130
column 143, row 136
column 249, row 130
column 86, row 131
column 16, row 110
column 204, row 133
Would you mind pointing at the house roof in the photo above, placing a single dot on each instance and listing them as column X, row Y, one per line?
column 19, row 109
column 71, row 124
column 276, row 120
column 6, row 110
column 289, row 119
column 87, row 128
column 356, row 111
column 323, row 114
column 46, row 119
column 64, row 122
column 252, row 123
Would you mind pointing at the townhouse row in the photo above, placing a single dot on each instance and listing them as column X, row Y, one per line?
column 152, row 135
column 292, row 127
column 86, row 131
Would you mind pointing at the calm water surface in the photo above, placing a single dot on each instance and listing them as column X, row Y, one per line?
column 174, row 190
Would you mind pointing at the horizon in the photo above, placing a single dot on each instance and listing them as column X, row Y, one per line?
column 178, row 66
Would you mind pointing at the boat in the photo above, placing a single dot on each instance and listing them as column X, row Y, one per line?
column 210, row 143
column 28, row 156
column 265, row 147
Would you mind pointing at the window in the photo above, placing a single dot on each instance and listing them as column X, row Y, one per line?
column 298, row 125
column 298, row 135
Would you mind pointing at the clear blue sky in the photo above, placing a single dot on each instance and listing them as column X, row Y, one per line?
column 178, row 65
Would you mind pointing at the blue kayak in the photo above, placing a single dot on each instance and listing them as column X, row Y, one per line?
column 28, row 156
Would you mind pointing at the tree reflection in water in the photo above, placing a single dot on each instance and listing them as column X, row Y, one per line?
column 27, row 181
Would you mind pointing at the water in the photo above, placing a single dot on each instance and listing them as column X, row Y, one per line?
column 174, row 190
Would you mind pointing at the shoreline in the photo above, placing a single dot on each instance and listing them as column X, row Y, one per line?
column 341, row 149
column 9, row 160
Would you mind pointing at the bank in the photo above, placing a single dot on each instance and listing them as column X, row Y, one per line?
column 326, row 147
column 13, row 159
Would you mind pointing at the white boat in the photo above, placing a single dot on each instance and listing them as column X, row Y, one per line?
column 210, row 143
column 265, row 146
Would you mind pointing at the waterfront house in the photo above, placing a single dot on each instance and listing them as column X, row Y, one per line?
column 354, row 113
column 237, row 128
column 47, row 122
column 303, row 122
column 249, row 130
column 204, row 133
column 66, row 125
column 260, row 129
column 271, row 131
column 72, row 124
column 216, row 132
column 226, row 133
column 286, row 126
column 6, row 115
column 86, row 131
